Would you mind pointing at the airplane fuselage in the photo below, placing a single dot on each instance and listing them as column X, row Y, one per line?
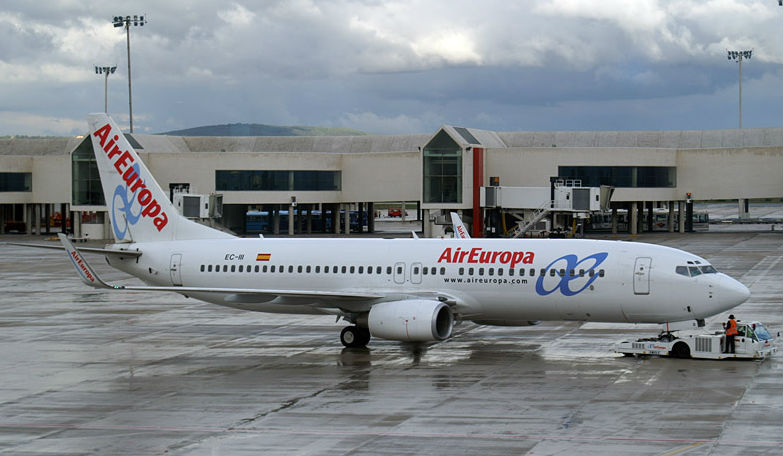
column 487, row 280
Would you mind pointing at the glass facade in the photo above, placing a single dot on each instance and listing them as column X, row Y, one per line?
column 16, row 182
column 622, row 176
column 277, row 180
column 442, row 170
column 86, row 182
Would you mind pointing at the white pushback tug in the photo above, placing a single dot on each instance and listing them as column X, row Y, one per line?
column 753, row 342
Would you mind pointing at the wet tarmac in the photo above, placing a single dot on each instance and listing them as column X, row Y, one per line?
column 91, row 372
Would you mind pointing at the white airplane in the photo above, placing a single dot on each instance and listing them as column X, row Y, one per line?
column 397, row 289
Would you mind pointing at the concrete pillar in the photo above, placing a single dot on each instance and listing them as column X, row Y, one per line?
column 276, row 219
column 633, row 219
column 28, row 218
column 76, row 224
column 310, row 219
column 370, row 217
column 670, row 218
column 744, row 208
column 291, row 215
column 336, row 218
column 402, row 207
column 47, row 208
column 681, row 216
column 640, row 218
column 614, row 220
column 650, row 215
column 299, row 218
column 37, row 218
column 347, row 218
column 425, row 222
column 107, row 231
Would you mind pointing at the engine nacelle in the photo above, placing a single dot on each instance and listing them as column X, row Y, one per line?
column 411, row 320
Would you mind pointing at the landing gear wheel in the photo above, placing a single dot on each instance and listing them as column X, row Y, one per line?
column 355, row 337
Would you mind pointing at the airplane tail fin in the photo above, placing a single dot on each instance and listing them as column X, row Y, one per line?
column 460, row 232
column 139, row 209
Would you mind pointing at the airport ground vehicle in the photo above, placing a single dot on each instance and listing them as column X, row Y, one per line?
column 753, row 342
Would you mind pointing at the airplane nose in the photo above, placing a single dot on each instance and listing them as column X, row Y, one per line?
column 732, row 293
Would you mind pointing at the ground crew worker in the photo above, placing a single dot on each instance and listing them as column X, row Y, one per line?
column 731, row 331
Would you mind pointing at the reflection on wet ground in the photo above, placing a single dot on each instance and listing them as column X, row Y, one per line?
column 86, row 372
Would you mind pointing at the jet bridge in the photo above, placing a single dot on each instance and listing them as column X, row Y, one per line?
column 539, row 211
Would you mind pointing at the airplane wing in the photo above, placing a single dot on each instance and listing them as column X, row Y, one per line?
column 240, row 295
column 122, row 253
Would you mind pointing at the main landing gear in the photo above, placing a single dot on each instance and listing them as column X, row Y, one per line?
column 355, row 337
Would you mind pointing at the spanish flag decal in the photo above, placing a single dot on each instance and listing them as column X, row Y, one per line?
column 263, row 256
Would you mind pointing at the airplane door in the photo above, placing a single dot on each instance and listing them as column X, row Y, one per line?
column 641, row 276
column 399, row 273
column 416, row 273
column 174, row 269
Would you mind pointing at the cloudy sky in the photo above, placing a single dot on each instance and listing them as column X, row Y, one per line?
column 386, row 66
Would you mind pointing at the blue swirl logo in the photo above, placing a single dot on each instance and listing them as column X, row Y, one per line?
column 563, row 282
column 122, row 214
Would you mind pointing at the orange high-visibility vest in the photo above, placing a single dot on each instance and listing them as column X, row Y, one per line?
column 732, row 329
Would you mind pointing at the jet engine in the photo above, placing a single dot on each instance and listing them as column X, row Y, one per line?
column 411, row 320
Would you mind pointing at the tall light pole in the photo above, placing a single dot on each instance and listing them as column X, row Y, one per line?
column 738, row 56
column 126, row 21
column 105, row 71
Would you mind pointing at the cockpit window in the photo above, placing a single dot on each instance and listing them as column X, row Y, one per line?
column 694, row 270
column 682, row 270
column 708, row 269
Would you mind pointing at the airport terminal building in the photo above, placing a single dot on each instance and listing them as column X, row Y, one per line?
column 331, row 178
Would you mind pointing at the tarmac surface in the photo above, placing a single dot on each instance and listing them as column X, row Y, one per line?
column 84, row 371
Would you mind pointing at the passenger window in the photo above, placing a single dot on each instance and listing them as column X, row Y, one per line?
column 233, row 268
column 443, row 270
column 601, row 273
column 470, row 271
column 378, row 270
column 217, row 268
column 307, row 269
column 317, row 269
column 225, row 268
column 388, row 270
column 511, row 272
column 416, row 270
column 361, row 269
column 425, row 271
column 209, row 268
column 241, row 268
column 353, row 268
column 571, row 272
column 202, row 268
column 543, row 272
column 369, row 269
column 552, row 272
column 481, row 271
column 682, row 270
column 592, row 273
column 257, row 268
column 500, row 271
column 461, row 271
column 694, row 270
column 272, row 268
column 581, row 273
column 491, row 271
column 344, row 269
column 399, row 269
column 291, row 269
column 533, row 272
column 250, row 268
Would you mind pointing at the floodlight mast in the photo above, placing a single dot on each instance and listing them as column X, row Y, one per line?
column 126, row 21
column 105, row 71
column 739, row 56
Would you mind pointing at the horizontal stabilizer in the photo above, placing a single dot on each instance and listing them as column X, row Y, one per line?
column 113, row 252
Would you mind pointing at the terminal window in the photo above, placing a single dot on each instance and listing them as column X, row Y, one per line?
column 86, row 182
column 16, row 182
column 442, row 159
column 622, row 176
column 277, row 180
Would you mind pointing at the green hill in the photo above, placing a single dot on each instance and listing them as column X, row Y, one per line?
column 244, row 129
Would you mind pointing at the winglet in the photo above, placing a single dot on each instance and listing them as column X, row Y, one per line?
column 460, row 232
column 86, row 273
